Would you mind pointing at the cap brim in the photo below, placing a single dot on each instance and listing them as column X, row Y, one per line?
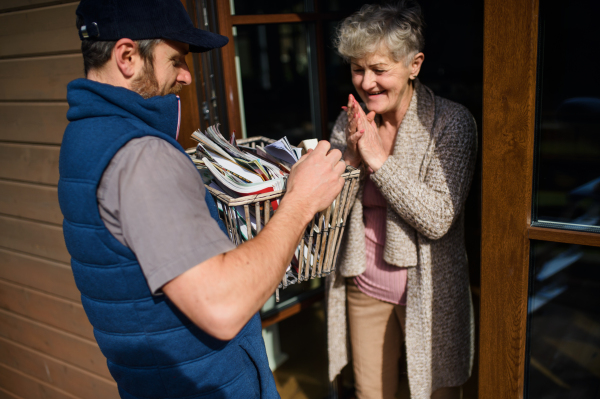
column 198, row 39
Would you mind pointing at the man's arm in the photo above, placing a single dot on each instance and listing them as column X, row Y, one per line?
column 222, row 293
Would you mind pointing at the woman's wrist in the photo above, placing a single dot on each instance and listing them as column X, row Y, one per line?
column 350, row 159
column 377, row 164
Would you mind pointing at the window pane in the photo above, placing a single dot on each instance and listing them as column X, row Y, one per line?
column 343, row 5
column 564, row 322
column 568, row 141
column 245, row 7
column 338, row 78
column 274, row 70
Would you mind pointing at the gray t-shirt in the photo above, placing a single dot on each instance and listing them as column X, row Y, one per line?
column 151, row 199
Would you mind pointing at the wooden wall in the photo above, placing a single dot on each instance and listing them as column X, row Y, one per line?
column 47, row 348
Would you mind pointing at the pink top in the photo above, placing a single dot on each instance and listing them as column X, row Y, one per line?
column 380, row 280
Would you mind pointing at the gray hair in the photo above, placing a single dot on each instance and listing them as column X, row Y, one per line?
column 399, row 26
column 97, row 53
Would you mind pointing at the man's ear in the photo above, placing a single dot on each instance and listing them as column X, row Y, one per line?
column 127, row 57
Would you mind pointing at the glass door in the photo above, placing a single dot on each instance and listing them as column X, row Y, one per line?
column 540, row 315
column 563, row 333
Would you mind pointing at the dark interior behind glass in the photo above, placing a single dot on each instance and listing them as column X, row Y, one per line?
column 568, row 106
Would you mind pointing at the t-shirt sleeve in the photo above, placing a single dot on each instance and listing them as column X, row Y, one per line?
column 151, row 198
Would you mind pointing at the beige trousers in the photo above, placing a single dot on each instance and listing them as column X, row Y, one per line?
column 377, row 336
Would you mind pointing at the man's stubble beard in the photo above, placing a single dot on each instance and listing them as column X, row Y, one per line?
column 147, row 85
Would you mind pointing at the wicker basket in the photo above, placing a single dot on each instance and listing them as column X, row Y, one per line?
column 317, row 251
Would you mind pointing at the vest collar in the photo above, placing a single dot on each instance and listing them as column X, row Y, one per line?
column 90, row 99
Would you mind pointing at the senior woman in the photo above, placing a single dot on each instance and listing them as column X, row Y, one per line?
column 402, row 269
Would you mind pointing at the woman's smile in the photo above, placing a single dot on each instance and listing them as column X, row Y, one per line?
column 382, row 83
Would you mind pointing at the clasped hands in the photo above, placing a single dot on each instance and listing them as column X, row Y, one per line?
column 362, row 138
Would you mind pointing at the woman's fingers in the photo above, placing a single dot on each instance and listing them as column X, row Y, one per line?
column 350, row 107
column 371, row 116
column 354, row 138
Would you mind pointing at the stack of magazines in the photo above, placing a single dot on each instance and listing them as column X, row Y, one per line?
column 240, row 171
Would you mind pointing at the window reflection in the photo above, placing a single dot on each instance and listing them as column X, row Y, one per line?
column 564, row 322
column 245, row 7
column 275, row 85
column 348, row 6
column 568, row 161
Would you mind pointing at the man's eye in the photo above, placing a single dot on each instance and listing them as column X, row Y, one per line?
column 357, row 70
column 379, row 71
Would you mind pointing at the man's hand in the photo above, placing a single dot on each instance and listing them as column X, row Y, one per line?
column 315, row 181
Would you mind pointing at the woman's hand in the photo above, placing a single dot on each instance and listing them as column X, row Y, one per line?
column 369, row 145
column 351, row 154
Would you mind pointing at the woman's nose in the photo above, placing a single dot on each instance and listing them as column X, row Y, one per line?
column 368, row 81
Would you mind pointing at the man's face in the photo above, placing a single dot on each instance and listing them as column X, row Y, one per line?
column 167, row 74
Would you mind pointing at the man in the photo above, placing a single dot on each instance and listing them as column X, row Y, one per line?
column 173, row 303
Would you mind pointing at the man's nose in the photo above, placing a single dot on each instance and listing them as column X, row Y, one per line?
column 184, row 77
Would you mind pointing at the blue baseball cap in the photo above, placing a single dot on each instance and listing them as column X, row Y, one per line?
column 111, row 20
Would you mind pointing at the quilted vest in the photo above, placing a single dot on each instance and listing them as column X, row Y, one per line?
column 153, row 350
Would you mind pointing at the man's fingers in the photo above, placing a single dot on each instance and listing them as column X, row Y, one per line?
column 302, row 159
column 322, row 147
column 334, row 156
column 340, row 167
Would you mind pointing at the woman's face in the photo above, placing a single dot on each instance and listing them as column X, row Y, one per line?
column 380, row 81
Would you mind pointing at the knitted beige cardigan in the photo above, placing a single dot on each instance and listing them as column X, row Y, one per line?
column 425, row 183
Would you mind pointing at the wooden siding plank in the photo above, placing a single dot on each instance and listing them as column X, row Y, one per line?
column 39, row 31
column 32, row 163
column 39, row 78
column 56, row 373
column 7, row 395
column 30, row 201
column 41, row 123
column 67, row 347
column 34, row 238
column 60, row 313
column 41, row 274
column 6, row 5
column 28, row 387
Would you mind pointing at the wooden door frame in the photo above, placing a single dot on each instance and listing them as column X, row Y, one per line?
column 509, row 80
column 509, row 122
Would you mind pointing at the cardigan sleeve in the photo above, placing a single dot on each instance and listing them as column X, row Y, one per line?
column 338, row 134
column 431, row 206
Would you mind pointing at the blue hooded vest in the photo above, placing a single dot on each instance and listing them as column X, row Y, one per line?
column 153, row 350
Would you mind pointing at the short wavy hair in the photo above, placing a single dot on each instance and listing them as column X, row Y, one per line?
column 399, row 26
